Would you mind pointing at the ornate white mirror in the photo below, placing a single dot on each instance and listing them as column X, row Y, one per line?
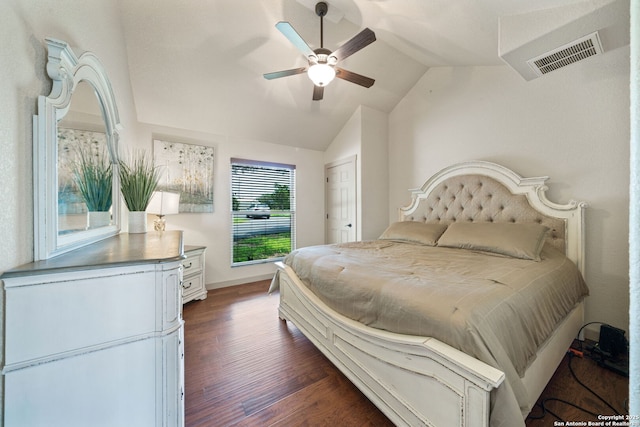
column 75, row 169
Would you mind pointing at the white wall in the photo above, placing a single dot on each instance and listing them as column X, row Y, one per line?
column 24, row 24
column 634, row 247
column 375, row 172
column 95, row 26
column 365, row 136
column 571, row 125
column 348, row 143
column 213, row 229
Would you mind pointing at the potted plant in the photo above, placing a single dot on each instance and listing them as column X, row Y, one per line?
column 93, row 175
column 138, row 180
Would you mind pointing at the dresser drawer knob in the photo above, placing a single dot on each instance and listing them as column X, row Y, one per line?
column 186, row 286
column 188, row 266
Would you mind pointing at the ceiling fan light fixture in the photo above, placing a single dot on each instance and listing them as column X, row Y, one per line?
column 321, row 74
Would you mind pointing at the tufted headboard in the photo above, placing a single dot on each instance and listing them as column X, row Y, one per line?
column 486, row 192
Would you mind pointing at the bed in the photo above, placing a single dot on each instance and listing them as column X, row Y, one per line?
column 459, row 314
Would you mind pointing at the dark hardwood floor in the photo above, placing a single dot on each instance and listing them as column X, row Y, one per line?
column 564, row 390
column 246, row 367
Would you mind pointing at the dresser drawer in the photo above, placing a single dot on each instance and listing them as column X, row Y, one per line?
column 55, row 315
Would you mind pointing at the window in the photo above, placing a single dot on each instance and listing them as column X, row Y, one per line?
column 262, row 211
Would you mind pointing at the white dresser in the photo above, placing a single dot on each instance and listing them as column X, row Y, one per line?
column 193, row 284
column 95, row 336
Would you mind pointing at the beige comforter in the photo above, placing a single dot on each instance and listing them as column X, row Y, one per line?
column 495, row 308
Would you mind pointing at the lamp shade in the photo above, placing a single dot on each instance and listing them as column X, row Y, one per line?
column 164, row 203
column 321, row 74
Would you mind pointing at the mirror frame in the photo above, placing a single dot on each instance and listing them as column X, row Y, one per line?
column 66, row 70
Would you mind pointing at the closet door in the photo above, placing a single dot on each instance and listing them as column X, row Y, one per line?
column 340, row 199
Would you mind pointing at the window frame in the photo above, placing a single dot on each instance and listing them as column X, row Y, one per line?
column 237, row 163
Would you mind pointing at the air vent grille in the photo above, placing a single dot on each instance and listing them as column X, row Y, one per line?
column 568, row 54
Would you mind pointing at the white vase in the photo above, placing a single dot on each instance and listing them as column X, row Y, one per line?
column 97, row 219
column 138, row 222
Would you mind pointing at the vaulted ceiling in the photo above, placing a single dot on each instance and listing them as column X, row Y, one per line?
column 199, row 64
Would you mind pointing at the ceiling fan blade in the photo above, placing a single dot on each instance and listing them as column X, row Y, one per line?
column 363, row 39
column 284, row 73
column 352, row 77
column 293, row 36
column 318, row 92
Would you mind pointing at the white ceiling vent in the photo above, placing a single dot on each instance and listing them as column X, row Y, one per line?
column 575, row 51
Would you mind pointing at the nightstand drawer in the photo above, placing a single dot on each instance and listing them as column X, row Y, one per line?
column 191, row 285
column 193, row 279
column 191, row 264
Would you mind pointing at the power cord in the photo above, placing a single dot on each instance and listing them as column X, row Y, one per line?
column 573, row 354
column 613, row 350
column 543, row 404
column 545, row 410
column 584, row 326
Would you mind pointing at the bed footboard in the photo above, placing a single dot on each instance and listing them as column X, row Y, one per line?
column 413, row 380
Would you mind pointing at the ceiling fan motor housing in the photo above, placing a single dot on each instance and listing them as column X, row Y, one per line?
column 321, row 8
column 323, row 57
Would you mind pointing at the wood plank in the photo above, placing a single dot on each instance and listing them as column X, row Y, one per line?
column 246, row 367
column 564, row 390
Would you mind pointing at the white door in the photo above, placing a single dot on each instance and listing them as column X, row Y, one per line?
column 340, row 196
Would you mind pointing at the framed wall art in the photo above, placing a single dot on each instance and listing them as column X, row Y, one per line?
column 187, row 169
column 71, row 143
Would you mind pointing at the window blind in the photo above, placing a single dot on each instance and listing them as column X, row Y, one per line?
column 262, row 211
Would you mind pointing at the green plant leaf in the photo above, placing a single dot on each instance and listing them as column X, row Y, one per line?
column 93, row 175
column 138, row 180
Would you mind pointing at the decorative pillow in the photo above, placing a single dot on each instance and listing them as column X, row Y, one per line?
column 414, row 232
column 518, row 240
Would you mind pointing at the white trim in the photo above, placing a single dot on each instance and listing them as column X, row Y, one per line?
column 66, row 71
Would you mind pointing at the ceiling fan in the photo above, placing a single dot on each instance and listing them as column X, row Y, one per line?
column 322, row 62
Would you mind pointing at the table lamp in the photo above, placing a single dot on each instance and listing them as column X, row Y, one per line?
column 163, row 203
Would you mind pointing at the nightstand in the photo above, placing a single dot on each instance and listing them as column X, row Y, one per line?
column 193, row 285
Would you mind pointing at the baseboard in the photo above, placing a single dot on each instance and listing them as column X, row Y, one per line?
column 227, row 283
column 591, row 332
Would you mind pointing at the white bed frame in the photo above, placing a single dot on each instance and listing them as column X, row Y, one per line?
column 419, row 380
